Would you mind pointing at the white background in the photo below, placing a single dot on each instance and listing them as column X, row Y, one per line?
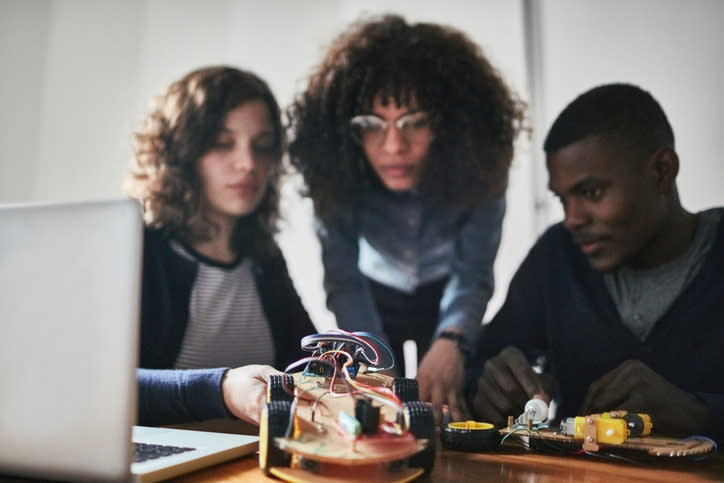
column 77, row 77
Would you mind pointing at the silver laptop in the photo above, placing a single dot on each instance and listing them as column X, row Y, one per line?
column 70, row 278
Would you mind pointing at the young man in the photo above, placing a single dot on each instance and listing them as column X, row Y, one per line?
column 622, row 302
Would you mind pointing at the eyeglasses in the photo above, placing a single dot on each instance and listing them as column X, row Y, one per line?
column 368, row 129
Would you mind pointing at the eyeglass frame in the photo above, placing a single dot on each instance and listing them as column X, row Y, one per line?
column 384, row 124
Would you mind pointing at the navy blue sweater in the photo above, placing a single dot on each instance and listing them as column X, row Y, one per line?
column 167, row 396
column 558, row 306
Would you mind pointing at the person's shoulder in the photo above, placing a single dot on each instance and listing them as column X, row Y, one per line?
column 154, row 239
column 154, row 234
column 715, row 213
column 157, row 248
column 715, row 216
column 269, row 258
column 555, row 237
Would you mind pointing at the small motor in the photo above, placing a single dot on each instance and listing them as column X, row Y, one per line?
column 535, row 412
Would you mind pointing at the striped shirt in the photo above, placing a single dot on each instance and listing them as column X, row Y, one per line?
column 227, row 326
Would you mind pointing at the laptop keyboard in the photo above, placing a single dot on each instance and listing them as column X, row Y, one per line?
column 145, row 452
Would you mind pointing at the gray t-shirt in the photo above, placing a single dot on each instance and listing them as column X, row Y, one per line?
column 642, row 296
column 227, row 326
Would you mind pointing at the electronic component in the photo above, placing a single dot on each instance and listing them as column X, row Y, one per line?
column 349, row 424
column 534, row 412
column 613, row 427
column 638, row 424
column 368, row 415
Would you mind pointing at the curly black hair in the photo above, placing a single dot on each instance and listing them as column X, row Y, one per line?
column 621, row 112
column 476, row 117
column 182, row 126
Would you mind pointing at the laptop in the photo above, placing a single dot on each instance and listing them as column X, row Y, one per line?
column 70, row 283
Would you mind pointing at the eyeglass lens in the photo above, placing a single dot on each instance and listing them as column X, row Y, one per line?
column 370, row 129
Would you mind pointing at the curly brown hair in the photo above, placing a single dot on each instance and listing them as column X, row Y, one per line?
column 182, row 126
column 477, row 116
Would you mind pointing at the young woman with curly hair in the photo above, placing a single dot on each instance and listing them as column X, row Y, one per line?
column 216, row 291
column 404, row 136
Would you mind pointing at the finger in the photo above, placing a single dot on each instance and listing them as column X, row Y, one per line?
column 423, row 388
column 595, row 389
column 454, row 407
column 437, row 402
column 610, row 389
column 485, row 410
column 498, row 374
column 636, row 402
column 547, row 382
column 458, row 408
column 523, row 372
column 264, row 372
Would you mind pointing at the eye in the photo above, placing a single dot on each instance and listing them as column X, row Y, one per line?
column 220, row 145
column 592, row 193
column 267, row 151
column 368, row 123
column 415, row 121
column 265, row 145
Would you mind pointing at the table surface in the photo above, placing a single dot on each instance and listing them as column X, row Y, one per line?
column 509, row 464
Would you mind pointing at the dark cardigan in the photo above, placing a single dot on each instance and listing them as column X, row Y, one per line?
column 167, row 281
column 168, row 396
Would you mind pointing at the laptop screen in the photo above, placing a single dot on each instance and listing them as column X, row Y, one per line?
column 69, row 301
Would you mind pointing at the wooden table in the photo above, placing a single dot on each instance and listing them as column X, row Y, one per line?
column 512, row 465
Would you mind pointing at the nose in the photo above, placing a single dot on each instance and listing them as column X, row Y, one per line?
column 243, row 159
column 575, row 215
column 394, row 141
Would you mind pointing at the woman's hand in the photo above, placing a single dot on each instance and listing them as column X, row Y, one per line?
column 244, row 391
column 440, row 380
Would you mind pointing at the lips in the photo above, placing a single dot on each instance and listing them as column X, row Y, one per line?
column 397, row 170
column 243, row 187
column 588, row 244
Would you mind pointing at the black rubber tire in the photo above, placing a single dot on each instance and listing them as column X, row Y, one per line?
column 275, row 390
column 406, row 389
column 473, row 440
column 274, row 423
column 422, row 426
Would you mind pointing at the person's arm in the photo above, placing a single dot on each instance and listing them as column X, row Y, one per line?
column 465, row 297
column 471, row 282
column 170, row 396
column 348, row 295
column 520, row 323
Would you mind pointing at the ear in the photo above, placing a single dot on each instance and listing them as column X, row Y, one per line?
column 665, row 167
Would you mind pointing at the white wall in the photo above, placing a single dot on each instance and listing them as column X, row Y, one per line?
column 85, row 72
column 77, row 76
column 672, row 48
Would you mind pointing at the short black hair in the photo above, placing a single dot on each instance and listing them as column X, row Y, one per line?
column 623, row 113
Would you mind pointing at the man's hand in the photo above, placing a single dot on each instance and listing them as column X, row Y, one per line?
column 244, row 391
column 635, row 387
column 440, row 380
column 508, row 382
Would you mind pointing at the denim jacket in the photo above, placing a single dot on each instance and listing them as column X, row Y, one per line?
column 403, row 241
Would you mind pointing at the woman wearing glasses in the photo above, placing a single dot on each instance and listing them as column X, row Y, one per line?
column 404, row 137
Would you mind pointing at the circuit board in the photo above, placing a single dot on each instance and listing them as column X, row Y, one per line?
column 317, row 436
column 658, row 446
